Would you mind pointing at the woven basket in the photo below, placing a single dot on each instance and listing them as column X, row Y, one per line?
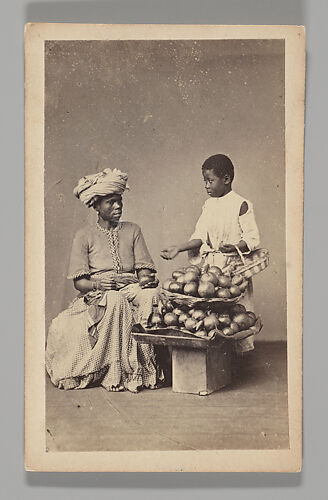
column 190, row 301
column 249, row 265
column 153, row 334
column 243, row 334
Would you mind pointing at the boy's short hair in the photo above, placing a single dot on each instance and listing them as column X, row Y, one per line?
column 220, row 164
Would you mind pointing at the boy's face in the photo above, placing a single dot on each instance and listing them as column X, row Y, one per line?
column 216, row 186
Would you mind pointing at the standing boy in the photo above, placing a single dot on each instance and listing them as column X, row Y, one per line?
column 227, row 221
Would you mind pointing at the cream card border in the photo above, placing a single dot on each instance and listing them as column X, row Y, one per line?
column 36, row 457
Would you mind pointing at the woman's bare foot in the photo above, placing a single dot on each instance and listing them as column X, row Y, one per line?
column 116, row 388
column 159, row 385
column 136, row 390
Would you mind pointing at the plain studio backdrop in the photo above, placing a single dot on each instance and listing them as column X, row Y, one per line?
column 157, row 110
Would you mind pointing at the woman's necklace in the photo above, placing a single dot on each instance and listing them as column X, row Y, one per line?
column 112, row 237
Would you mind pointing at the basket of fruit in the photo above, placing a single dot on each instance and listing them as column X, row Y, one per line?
column 247, row 266
column 233, row 321
column 192, row 286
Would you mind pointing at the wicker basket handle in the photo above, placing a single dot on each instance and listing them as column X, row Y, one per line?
column 240, row 254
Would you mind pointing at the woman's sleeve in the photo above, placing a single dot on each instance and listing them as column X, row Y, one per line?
column 142, row 258
column 250, row 232
column 79, row 262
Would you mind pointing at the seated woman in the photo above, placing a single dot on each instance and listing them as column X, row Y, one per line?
column 90, row 342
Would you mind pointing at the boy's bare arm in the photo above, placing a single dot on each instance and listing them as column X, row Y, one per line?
column 249, row 228
column 242, row 245
column 172, row 251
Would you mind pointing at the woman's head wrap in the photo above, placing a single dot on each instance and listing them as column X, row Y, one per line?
column 107, row 182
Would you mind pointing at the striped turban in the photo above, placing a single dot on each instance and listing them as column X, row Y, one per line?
column 107, row 182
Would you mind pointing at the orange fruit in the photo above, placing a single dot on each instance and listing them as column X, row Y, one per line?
column 237, row 279
column 227, row 331
column 194, row 269
column 190, row 324
column 242, row 320
column 252, row 318
column 243, row 286
column 171, row 319
column 183, row 318
column 223, row 293
column 191, row 289
column 236, row 309
column 234, row 290
column 234, row 327
column 211, row 277
column 176, row 287
column 211, row 322
column 206, row 289
column 166, row 284
column 198, row 314
column 224, row 320
column 224, row 281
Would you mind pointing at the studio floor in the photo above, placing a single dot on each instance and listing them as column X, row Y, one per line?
column 251, row 413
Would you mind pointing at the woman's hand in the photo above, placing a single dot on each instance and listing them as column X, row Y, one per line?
column 106, row 284
column 150, row 284
column 170, row 252
column 147, row 279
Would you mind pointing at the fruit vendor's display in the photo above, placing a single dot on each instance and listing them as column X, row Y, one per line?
column 208, row 283
column 206, row 323
column 205, row 302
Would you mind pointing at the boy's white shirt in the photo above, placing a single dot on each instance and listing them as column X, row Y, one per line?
column 220, row 223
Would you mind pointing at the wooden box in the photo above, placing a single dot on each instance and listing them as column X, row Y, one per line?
column 199, row 365
column 201, row 371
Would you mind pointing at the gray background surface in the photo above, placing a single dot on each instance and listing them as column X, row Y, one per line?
column 15, row 483
column 157, row 110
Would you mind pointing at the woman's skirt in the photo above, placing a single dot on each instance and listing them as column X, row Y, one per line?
column 90, row 343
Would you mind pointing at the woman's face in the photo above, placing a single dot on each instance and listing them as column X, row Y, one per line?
column 110, row 207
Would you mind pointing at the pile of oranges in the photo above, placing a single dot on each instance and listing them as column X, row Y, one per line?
column 210, row 282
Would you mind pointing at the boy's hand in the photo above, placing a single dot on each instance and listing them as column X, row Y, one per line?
column 227, row 248
column 170, row 252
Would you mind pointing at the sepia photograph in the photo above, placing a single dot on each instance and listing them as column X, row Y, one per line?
column 164, row 188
